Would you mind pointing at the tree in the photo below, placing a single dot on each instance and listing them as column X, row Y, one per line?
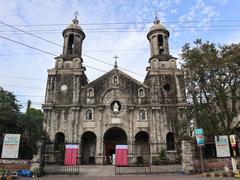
column 213, row 85
column 9, row 112
column 30, row 124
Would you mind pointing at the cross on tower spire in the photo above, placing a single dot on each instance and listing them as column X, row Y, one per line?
column 76, row 14
column 115, row 64
column 156, row 21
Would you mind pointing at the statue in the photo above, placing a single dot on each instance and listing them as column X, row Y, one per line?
column 115, row 107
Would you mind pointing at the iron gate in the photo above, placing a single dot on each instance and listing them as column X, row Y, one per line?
column 52, row 160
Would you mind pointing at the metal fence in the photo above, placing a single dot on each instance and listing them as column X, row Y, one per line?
column 143, row 158
column 149, row 169
column 52, row 160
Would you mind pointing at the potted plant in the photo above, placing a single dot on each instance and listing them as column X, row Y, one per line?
column 2, row 174
column 35, row 172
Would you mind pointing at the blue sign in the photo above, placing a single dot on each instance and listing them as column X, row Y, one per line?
column 199, row 136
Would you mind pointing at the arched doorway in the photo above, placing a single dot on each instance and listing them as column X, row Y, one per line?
column 112, row 137
column 142, row 147
column 59, row 141
column 88, row 147
column 59, row 148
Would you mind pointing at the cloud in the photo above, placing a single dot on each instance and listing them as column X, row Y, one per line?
column 173, row 11
column 33, row 64
column 199, row 16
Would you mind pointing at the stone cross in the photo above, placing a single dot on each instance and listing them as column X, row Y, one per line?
column 156, row 15
column 76, row 14
column 115, row 57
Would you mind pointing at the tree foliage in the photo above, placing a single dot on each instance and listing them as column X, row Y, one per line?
column 9, row 112
column 30, row 124
column 212, row 81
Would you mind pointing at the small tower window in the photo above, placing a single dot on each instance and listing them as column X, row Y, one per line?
column 89, row 115
column 160, row 40
column 70, row 44
column 161, row 51
column 167, row 87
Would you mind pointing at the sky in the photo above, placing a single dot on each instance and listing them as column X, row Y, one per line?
column 112, row 27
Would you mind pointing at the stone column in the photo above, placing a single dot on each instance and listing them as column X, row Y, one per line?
column 187, row 157
column 36, row 163
column 99, row 152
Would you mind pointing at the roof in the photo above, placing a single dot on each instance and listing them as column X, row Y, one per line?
column 74, row 25
column 157, row 26
column 118, row 72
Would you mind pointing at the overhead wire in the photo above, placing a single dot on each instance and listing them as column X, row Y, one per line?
column 132, row 22
column 124, row 28
column 33, row 35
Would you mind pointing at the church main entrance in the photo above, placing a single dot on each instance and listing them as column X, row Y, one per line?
column 112, row 137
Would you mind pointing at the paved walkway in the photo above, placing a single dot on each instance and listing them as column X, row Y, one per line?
column 97, row 171
column 143, row 177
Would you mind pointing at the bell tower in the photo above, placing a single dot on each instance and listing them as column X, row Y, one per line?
column 65, row 80
column 158, row 38
column 159, row 49
column 163, row 77
column 73, row 37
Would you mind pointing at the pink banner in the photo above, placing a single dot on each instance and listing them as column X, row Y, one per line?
column 121, row 155
column 71, row 153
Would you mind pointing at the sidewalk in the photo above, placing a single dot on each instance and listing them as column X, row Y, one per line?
column 139, row 177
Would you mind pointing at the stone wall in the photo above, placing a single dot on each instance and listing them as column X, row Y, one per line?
column 214, row 164
column 187, row 157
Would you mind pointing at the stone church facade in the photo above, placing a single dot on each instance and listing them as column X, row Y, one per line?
column 115, row 108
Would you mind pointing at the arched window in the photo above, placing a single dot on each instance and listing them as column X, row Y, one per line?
column 160, row 40
column 170, row 141
column 90, row 92
column 70, row 44
column 89, row 115
column 141, row 93
column 142, row 115
column 115, row 80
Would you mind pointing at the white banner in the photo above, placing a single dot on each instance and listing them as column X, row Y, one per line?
column 11, row 146
column 121, row 147
column 222, row 146
column 71, row 146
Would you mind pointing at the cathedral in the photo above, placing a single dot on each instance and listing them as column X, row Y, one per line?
column 115, row 109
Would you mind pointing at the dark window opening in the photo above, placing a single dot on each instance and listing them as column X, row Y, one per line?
column 70, row 44
column 167, row 87
column 161, row 51
column 170, row 141
column 160, row 40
